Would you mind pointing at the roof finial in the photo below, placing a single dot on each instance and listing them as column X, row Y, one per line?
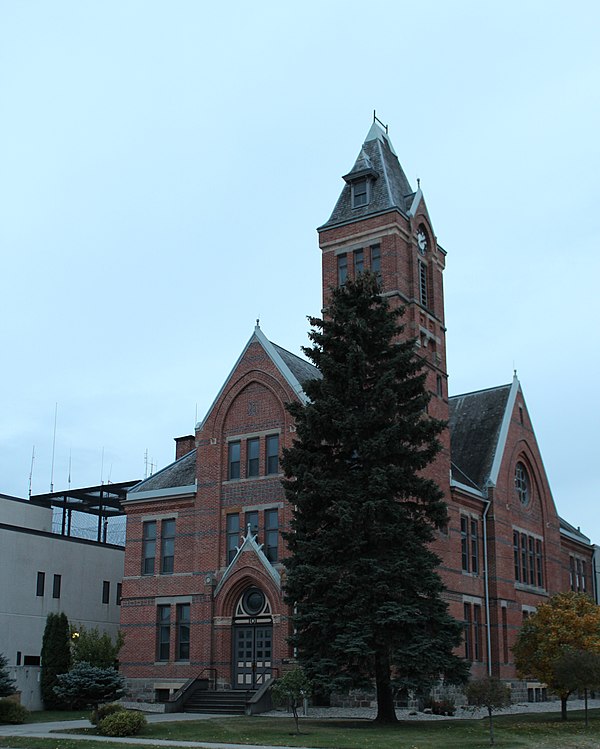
column 258, row 322
column 419, row 183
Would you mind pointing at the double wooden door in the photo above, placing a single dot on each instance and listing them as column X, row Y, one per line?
column 252, row 655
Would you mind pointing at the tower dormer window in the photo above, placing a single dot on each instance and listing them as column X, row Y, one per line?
column 360, row 193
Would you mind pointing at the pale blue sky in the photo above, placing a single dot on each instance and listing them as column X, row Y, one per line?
column 164, row 165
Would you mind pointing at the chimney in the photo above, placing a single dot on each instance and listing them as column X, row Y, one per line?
column 184, row 445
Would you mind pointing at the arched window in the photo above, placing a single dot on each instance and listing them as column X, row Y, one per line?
column 522, row 484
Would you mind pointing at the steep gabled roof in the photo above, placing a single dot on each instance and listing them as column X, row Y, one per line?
column 476, row 428
column 293, row 369
column 390, row 187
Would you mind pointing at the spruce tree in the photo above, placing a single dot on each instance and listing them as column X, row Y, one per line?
column 56, row 656
column 7, row 685
column 361, row 575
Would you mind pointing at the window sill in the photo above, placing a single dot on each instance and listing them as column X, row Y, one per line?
column 531, row 589
column 246, row 479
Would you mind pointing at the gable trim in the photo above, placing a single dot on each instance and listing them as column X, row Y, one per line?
column 503, row 436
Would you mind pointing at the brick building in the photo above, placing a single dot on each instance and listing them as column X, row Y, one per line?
column 202, row 593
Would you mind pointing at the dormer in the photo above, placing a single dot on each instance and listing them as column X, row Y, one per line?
column 361, row 179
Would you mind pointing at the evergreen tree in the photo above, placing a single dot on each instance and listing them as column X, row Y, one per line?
column 7, row 685
column 86, row 685
column 361, row 575
column 56, row 656
column 95, row 647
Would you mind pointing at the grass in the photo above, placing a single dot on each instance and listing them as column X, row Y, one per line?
column 535, row 731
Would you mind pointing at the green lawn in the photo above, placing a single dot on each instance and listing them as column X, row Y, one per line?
column 536, row 731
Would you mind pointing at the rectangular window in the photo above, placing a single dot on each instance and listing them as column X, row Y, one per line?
column 106, row 591
column 271, row 535
column 253, row 454
column 234, row 461
column 342, row 269
column 359, row 262
column 167, row 547
column 423, row 283
column 578, row 574
column 516, row 556
column 464, row 542
column 251, row 519
column 119, row 593
column 538, row 563
column 468, row 633
column 18, row 663
column 572, row 573
column 360, row 195
column 474, row 547
column 41, row 582
column 523, row 558
column 56, row 586
column 148, row 547
column 163, row 634
column 531, row 542
column 31, row 660
column 272, row 453
column 183, row 631
column 376, row 260
column 504, row 635
column 583, row 581
column 233, row 535
column 477, row 630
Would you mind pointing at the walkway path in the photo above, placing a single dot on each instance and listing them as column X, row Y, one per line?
column 54, row 730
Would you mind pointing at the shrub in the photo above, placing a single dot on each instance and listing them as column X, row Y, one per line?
column 103, row 711
column 441, row 707
column 12, row 712
column 122, row 723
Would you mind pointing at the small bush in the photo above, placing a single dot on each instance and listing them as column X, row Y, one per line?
column 441, row 707
column 12, row 712
column 122, row 723
column 103, row 711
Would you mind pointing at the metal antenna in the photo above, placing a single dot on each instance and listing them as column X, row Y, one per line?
column 31, row 469
column 69, row 476
column 53, row 448
column 146, row 463
column 102, row 468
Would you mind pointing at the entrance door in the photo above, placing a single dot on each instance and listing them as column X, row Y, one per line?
column 252, row 653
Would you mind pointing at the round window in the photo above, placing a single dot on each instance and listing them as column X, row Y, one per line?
column 253, row 601
column 522, row 484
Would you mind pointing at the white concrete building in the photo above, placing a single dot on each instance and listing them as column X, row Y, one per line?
column 43, row 572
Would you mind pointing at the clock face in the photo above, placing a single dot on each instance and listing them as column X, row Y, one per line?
column 422, row 241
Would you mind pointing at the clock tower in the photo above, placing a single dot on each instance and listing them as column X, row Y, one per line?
column 381, row 224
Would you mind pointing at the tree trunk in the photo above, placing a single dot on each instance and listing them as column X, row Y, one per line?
column 563, row 707
column 491, row 725
column 386, row 712
column 586, row 706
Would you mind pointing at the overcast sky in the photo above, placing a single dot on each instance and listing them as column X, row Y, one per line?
column 164, row 165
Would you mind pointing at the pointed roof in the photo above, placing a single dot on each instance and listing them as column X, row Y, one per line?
column 249, row 543
column 390, row 187
column 295, row 371
column 478, row 426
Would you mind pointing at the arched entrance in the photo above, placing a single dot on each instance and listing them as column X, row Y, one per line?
column 252, row 640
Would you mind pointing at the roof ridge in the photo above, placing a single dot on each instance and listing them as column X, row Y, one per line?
column 483, row 390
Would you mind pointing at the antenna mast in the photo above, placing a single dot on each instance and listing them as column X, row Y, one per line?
column 31, row 469
column 53, row 448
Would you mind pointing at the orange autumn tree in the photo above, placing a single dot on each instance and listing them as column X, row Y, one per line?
column 567, row 622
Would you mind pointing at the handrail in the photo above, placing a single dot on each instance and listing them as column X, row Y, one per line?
column 211, row 670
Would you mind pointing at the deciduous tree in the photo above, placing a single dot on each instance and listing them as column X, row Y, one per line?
column 361, row 574
column 95, row 647
column 578, row 670
column 490, row 693
column 292, row 689
column 566, row 621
